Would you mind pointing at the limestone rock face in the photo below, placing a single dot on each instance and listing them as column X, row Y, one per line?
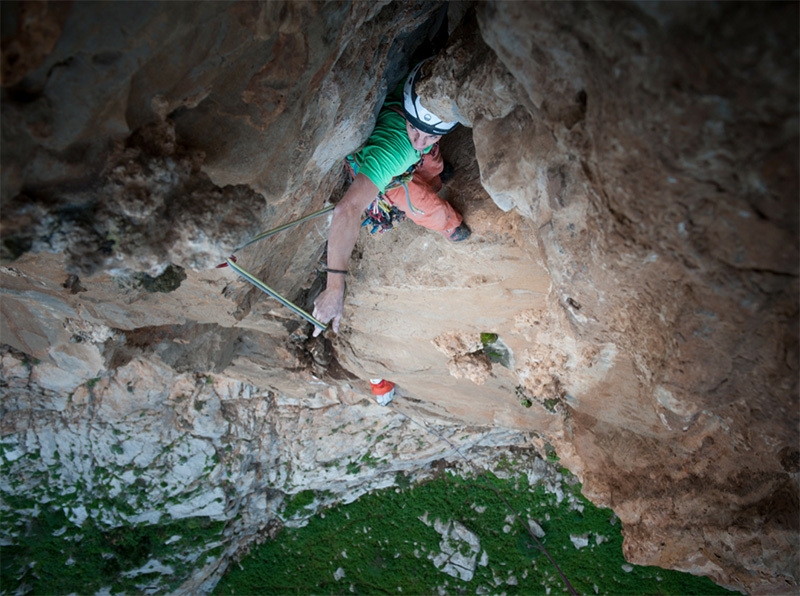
column 672, row 247
column 629, row 294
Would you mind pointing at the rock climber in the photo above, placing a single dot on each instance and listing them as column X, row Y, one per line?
column 395, row 175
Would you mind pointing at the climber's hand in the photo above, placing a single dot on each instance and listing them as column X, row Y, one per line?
column 328, row 308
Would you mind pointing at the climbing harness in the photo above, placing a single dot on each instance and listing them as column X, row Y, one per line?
column 231, row 262
column 403, row 181
column 479, row 473
column 382, row 215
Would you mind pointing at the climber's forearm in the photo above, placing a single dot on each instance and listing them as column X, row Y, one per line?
column 346, row 224
column 329, row 305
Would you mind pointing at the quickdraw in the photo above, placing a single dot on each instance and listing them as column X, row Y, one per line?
column 381, row 216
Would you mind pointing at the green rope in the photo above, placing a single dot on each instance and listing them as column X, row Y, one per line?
column 265, row 288
column 291, row 224
column 231, row 262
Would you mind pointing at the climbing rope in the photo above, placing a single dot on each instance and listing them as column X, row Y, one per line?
column 265, row 288
column 480, row 473
column 291, row 224
column 380, row 217
column 231, row 262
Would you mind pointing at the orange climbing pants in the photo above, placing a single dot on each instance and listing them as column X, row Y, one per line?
column 421, row 204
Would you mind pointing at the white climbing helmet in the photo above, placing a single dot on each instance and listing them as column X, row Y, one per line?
column 415, row 113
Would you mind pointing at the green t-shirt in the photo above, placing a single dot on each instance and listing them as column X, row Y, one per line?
column 388, row 152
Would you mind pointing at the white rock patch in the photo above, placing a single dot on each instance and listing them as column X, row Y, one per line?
column 579, row 541
column 535, row 528
column 459, row 550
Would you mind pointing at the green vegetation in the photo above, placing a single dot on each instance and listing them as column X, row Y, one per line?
column 370, row 460
column 401, row 480
column 495, row 349
column 382, row 546
column 550, row 453
column 298, row 502
column 550, row 404
column 488, row 338
column 52, row 555
column 522, row 395
column 68, row 534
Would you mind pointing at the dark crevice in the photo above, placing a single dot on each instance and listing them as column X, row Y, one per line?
column 190, row 347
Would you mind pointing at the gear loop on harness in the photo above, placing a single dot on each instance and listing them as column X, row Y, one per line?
column 381, row 215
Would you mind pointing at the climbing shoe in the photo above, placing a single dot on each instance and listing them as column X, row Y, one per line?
column 462, row 232
column 383, row 391
column 448, row 171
